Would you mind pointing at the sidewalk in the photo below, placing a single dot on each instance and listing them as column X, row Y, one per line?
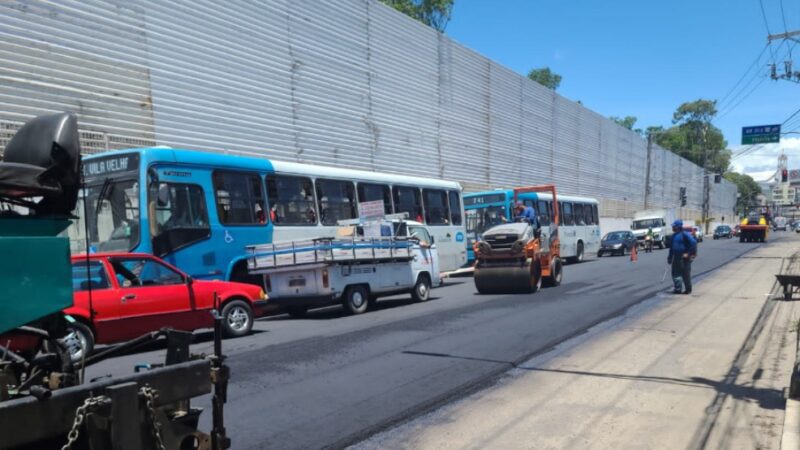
column 706, row 370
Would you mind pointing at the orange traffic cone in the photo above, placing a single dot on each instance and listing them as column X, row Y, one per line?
column 635, row 253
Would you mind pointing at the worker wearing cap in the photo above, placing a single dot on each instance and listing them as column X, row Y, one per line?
column 524, row 213
column 682, row 251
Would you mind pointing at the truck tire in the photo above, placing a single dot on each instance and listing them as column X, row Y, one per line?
column 422, row 288
column 237, row 318
column 356, row 299
column 79, row 341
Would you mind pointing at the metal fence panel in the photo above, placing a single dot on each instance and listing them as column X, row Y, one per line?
column 350, row 83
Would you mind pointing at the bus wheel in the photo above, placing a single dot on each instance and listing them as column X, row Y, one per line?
column 356, row 299
column 578, row 255
column 422, row 290
column 237, row 318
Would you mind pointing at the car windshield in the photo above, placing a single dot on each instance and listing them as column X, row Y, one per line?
column 481, row 219
column 646, row 223
column 614, row 236
column 723, row 228
column 109, row 211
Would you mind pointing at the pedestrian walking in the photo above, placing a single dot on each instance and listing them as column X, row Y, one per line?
column 682, row 252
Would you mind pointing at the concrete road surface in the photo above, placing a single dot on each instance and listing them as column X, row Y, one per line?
column 331, row 380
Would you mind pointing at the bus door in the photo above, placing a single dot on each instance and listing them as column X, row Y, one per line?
column 178, row 220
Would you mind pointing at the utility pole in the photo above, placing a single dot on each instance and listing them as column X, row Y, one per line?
column 647, row 172
column 788, row 73
column 706, row 185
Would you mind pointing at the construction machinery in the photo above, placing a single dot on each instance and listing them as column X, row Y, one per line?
column 45, row 400
column 754, row 226
column 519, row 257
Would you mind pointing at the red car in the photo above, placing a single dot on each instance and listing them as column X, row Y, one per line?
column 133, row 294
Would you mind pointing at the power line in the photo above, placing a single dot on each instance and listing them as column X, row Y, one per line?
column 766, row 24
column 785, row 28
column 754, row 64
column 721, row 115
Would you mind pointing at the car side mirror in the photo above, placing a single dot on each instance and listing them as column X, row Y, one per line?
column 433, row 240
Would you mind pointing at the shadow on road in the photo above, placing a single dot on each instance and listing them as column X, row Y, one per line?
column 766, row 398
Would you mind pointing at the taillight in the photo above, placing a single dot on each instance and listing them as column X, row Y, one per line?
column 325, row 281
column 267, row 283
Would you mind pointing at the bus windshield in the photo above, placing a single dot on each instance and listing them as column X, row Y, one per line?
column 109, row 211
column 481, row 219
column 646, row 223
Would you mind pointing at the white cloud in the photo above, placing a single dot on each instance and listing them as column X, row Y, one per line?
column 760, row 163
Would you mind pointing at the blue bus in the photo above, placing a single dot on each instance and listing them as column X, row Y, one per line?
column 199, row 210
column 579, row 230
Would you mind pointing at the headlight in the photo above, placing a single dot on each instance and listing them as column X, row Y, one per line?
column 262, row 295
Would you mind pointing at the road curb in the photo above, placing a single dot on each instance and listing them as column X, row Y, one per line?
column 790, row 438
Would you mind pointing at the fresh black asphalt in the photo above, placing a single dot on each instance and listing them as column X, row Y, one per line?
column 330, row 380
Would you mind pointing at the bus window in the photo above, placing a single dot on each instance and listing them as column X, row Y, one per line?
column 455, row 208
column 577, row 214
column 543, row 211
column 291, row 200
column 369, row 192
column 178, row 216
column 240, row 198
column 435, row 207
column 596, row 216
column 337, row 200
column 566, row 208
column 407, row 200
column 588, row 216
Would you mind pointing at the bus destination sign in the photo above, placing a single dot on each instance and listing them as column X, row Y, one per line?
column 111, row 165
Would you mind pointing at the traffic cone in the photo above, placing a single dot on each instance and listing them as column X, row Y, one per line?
column 635, row 253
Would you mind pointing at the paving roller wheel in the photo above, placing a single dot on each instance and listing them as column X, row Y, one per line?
column 511, row 279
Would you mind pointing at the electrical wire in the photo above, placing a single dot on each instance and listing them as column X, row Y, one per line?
column 785, row 27
column 746, row 72
column 766, row 25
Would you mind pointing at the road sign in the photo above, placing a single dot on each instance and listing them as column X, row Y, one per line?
column 762, row 134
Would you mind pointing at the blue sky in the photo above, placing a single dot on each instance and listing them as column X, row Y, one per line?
column 644, row 58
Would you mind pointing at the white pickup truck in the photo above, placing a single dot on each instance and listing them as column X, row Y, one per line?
column 363, row 262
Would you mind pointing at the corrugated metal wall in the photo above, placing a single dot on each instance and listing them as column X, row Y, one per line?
column 348, row 83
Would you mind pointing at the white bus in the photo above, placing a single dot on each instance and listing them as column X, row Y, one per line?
column 308, row 200
column 579, row 230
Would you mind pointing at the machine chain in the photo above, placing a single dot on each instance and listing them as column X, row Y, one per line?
column 80, row 415
column 150, row 396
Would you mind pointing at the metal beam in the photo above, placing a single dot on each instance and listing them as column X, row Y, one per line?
column 786, row 35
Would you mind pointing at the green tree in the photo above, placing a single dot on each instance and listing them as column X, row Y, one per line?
column 693, row 136
column 628, row 122
column 748, row 190
column 545, row 77
column 434, row 13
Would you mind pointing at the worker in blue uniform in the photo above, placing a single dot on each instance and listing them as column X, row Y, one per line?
column 682, row 251
column 524, row 213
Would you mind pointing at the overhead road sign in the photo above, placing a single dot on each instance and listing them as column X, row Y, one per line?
column 762, row 134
